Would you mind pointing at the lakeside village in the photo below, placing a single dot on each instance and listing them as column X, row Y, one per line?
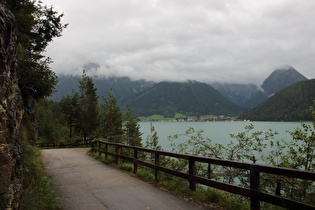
column 194, row 119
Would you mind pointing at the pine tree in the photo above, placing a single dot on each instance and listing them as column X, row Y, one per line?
column 88, row 106
column 131, row 128
column 70, row 108
column 111, row 119
column 152, row 141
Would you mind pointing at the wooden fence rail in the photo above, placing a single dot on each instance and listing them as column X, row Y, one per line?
column 253, row 192
column 62, row 145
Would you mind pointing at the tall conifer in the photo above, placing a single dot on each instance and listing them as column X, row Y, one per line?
column 88, row 106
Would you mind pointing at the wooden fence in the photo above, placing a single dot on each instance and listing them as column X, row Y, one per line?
column 63, row 145
column 253, row 192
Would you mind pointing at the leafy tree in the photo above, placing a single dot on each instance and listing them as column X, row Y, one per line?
column 246, row 146
column 131, row 128
column 36, row 80
column 70, row 108
column 300, row 155
column 87, row 106
column 152, row 140
column 111, row 119
column 37, row 26
column 50, row 128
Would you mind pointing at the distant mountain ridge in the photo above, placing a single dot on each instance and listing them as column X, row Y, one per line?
column 250, row 95
column 240, row 94
column 289, row 104
column 188, row 98
column 281, row 78
column 123, row 87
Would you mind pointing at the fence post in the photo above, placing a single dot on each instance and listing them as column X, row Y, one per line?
column 209, row 171
column 106, row 149
column 135, row 160
column 192, row 172
column 99, row 147
column 254, row 185
column 278, row 188
column 92, row 145
column 157, row 163
column 118, row 154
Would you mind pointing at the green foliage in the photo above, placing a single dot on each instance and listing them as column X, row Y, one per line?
column 152, row 141
column 126, row 166
column 69, row 105
column 37, row 26
column 111, row 119
column 35, row 78
column 248, row 146
column 87, row 106
column 131, row 128
column 49, row 122
column 188, row 98
column 38, row 190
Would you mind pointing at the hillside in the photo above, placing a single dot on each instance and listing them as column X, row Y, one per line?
column 122, row 87
column 240, row 94
column 189, row 98
column 250, row 95
column 289, row 104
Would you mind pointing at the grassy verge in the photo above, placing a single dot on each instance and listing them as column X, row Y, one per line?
column 177, row 115
column 39, row 192
column 206, row 196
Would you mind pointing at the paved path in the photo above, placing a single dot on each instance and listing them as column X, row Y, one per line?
column 85, row 183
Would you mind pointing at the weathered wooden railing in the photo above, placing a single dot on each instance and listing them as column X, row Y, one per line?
column 255, row 195
column 63, row 145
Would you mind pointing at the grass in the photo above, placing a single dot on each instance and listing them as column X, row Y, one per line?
column 157, row 117
column 39, row 192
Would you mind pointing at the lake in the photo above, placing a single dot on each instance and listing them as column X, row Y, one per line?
column 218, row 132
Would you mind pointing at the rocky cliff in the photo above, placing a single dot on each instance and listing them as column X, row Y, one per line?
column 11, row 111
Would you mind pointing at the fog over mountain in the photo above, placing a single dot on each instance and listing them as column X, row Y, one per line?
column 233, row 41
column 251, row 95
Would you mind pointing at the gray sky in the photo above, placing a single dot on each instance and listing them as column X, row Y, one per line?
column 238, row 41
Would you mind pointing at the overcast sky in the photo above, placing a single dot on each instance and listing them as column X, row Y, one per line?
column 236, row 41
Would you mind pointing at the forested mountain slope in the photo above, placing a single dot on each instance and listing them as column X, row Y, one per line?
column 189, row 98
column 289, row 104
column 122, row 87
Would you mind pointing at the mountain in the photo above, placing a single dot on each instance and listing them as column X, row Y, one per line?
column 289, row 104
column 189, row 98
column 240, row 94
column 281, row 78
column 122, row 87
column 250, row 95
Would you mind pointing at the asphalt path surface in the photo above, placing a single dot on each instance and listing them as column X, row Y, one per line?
column 84, row 183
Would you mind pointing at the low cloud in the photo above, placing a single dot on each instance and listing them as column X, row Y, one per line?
column 227, row 41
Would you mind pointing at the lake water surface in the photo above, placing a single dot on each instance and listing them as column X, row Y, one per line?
column 218, row 132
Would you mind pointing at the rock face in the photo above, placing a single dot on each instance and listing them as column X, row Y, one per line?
column 11, row 111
